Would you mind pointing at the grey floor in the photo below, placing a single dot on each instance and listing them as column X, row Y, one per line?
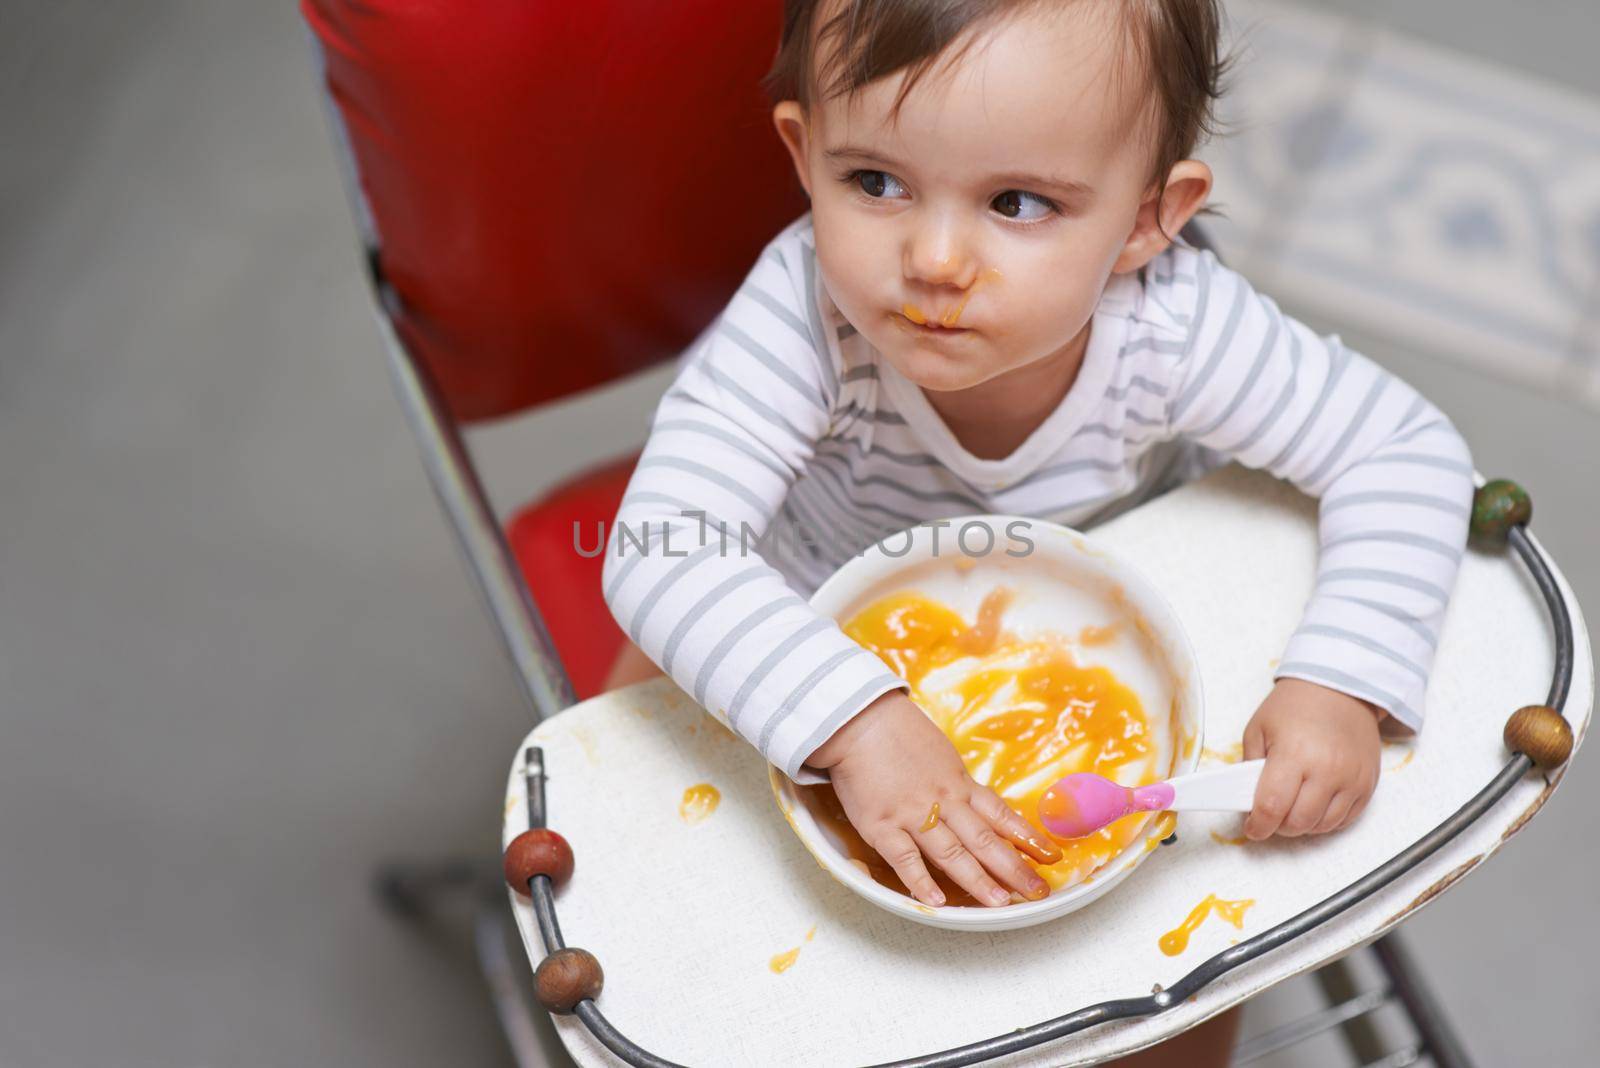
column 240, row 662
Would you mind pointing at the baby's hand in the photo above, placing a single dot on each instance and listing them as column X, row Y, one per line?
column 890, row 765
column 1322, row 753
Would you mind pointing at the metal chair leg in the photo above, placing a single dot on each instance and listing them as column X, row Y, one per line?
column 1360, row 1033
column 420, row 892
column 1350, row 1010
column 412, row 890
column 1439, row 1040
column 491, row 932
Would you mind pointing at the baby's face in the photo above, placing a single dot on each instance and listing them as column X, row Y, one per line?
column 975, row 235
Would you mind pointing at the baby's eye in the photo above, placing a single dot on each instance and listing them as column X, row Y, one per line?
column 877, row 184
column 1024, row 207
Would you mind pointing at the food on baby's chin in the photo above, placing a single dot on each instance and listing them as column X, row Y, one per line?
column 1022, row 713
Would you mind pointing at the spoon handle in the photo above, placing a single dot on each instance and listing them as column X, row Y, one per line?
column 1231, row 788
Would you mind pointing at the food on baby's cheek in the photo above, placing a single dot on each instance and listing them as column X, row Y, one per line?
column 1022, row 713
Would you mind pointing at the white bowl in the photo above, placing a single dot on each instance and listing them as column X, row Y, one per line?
column 1063, row 581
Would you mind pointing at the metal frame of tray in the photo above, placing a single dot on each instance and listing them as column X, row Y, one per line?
column 1437, row 1040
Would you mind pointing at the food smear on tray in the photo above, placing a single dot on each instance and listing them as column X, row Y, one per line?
column 1176, row 940
column 699, row 801
column 782, row 962
column 1022, row 711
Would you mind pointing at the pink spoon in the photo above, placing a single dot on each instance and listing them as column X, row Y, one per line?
column 1081, row 804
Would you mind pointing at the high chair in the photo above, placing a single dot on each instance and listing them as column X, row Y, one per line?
column 532, row 231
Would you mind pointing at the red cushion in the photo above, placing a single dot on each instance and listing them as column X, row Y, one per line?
column 549, row 538
column 562, row 192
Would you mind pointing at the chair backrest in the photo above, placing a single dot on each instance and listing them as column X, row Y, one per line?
column 559, row 193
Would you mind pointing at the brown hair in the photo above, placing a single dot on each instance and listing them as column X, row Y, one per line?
column 1176, row 42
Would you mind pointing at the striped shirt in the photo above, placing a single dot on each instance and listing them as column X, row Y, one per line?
column 787, row 444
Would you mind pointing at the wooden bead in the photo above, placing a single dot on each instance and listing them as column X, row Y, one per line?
column 567, row 977
column 1541, row 733
column 537, row 852
column 1497, row 506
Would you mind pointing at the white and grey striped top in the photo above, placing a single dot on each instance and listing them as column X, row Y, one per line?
column 785, row 423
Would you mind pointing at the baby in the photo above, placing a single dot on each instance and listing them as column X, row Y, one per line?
column 985, row 311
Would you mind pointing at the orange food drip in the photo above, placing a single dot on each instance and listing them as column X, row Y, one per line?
column 1022, row 714
column 953, row 316
column 1176, row 940
column 933, row 818
column 1166, row 823
column 699, row 801
column 1222, row 840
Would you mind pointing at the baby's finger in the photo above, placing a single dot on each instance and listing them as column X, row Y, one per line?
column 995, row 853
column 1310, row 806
column 1255, row 742
column 896, row 846
column 1018, row 831
column 1356, row 809
column 1338, row 809
column 941, row 846
column 1275, row 795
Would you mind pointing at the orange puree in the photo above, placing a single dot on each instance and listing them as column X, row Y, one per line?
column 699, row 801
column 1097, row 635
column 1021, row 712
column 1228, row 754
column 953, row 315
column 782, row 962
column 1176, row 940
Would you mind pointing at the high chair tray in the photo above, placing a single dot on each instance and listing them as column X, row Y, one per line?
column 688, row 918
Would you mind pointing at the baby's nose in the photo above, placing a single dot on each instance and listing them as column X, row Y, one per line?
column 937, row 260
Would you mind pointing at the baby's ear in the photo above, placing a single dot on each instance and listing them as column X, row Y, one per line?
column 1188, row 186
column 790, row 119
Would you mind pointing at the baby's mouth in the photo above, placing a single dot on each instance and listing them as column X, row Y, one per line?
column 911, row 318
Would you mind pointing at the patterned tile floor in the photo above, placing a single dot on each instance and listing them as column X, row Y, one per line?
column 1440, row 201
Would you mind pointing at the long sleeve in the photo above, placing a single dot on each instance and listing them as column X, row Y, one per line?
column 1394, row 478
column 682, row 573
